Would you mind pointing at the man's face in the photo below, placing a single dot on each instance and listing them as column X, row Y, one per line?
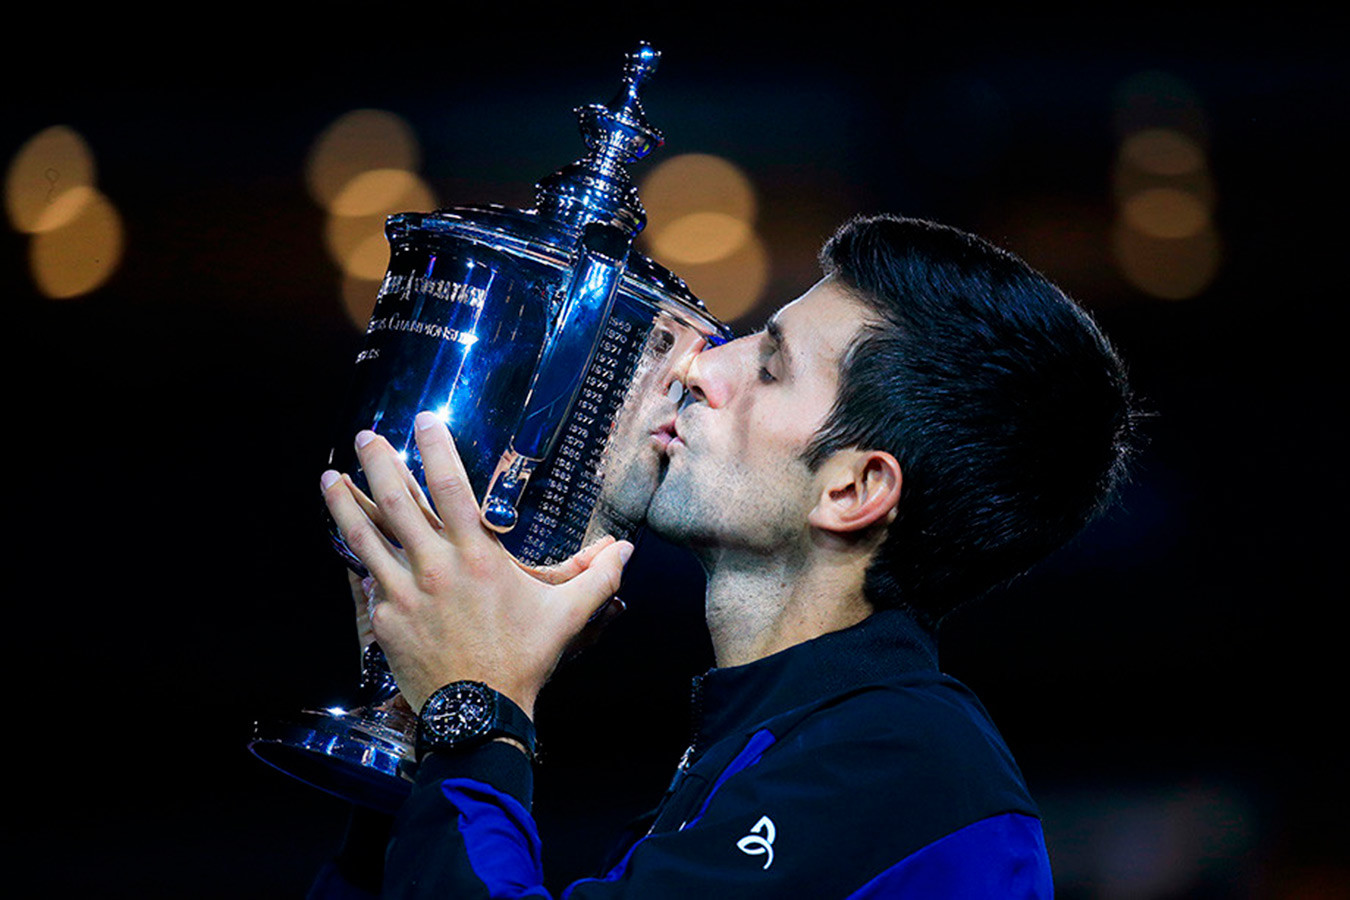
column 635, row 456
column 734, row 474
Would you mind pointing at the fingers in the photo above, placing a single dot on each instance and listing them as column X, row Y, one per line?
column 367, row 505
column 583, row 558
column 397, row 509
column 589, row 590
column 565, row 571
column 373, row 512
column 447, row 480
column 394, row 490
column 362, row 536
column 389, row 485
column 422, row 502
column 428, row 512
column 401, row 509
column 592, row 595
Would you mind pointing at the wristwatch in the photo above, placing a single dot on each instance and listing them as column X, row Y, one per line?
column 468, row 713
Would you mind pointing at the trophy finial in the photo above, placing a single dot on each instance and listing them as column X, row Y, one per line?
column 596, row 188
column 625, row 125
column 641, row 64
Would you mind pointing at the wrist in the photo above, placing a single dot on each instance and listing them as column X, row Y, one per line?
column 417, row 694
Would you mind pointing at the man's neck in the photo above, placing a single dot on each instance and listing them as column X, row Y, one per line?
column 758, row 605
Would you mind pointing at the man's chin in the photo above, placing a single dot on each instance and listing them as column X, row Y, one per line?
column 668, row 514
column 666, row 528
column 628, row 493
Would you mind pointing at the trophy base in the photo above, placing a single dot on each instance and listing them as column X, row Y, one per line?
column 364, row 755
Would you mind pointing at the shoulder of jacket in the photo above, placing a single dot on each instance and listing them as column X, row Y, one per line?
column 932, row 725
column 927, row 704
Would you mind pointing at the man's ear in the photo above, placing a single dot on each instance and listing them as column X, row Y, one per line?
column 859, row 488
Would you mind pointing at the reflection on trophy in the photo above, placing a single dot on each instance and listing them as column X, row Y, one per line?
column 551, row 349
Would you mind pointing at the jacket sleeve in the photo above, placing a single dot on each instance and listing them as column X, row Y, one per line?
column 818, row 814
column 465, row 831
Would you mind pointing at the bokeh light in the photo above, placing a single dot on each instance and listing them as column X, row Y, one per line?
column 1167, row 268
column 348, row 237
column 358, row 142
column 377, row 191
column 50, row 193
column 361, row 170
column 1164, row 240
column 1166, row 213
column 65, row 208
column 82, row 253
column 701, row 237
column 701, row 224
column 49, row 180
column 733, row 284
column 1163, row 151
column 1129, row 180
column 696, row 183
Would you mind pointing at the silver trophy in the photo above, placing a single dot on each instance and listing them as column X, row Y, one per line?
column 551, row 349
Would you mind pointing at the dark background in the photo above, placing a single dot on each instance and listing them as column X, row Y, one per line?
column 1168, row 683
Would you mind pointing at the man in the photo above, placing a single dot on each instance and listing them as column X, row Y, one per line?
column 929, row 420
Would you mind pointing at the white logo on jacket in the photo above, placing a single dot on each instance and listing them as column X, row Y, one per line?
column 760, row 840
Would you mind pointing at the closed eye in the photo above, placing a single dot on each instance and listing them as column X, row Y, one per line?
column 770, row 353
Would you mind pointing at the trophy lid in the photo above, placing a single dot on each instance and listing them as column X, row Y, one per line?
column 596, row 188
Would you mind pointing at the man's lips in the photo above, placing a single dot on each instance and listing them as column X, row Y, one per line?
column 666, row 434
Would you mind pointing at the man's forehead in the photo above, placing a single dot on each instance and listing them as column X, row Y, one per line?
column 821, row 323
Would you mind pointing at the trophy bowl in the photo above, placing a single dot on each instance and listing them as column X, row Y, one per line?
column 553, row 352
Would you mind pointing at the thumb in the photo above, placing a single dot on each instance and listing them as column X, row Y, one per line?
column 588, row 591
column 570, row 568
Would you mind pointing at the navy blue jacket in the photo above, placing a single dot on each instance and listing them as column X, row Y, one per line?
column 847, row 766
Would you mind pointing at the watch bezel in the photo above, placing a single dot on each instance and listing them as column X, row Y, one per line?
column 443, row 717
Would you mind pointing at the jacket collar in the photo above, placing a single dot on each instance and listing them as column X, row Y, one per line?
column 881, row 648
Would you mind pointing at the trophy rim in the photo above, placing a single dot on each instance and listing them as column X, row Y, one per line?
column 351, row 755
column 643, row 279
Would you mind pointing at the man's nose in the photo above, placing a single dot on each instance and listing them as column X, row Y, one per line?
column 708, row 378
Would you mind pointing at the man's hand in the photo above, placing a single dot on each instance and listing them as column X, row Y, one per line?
column 451, row 603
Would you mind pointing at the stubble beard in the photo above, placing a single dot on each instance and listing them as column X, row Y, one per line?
column 730, row 511
column 674, row 514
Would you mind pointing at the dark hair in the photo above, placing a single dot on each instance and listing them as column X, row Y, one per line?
column 1006, row 406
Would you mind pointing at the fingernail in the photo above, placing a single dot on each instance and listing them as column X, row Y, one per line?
column 364, row 437
column 328, row 479
column 625, row 551
column 426, row 420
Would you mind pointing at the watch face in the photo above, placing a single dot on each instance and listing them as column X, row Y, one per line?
column 458, row 711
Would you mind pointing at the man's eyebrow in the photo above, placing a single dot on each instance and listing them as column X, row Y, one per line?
column 775, row 332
